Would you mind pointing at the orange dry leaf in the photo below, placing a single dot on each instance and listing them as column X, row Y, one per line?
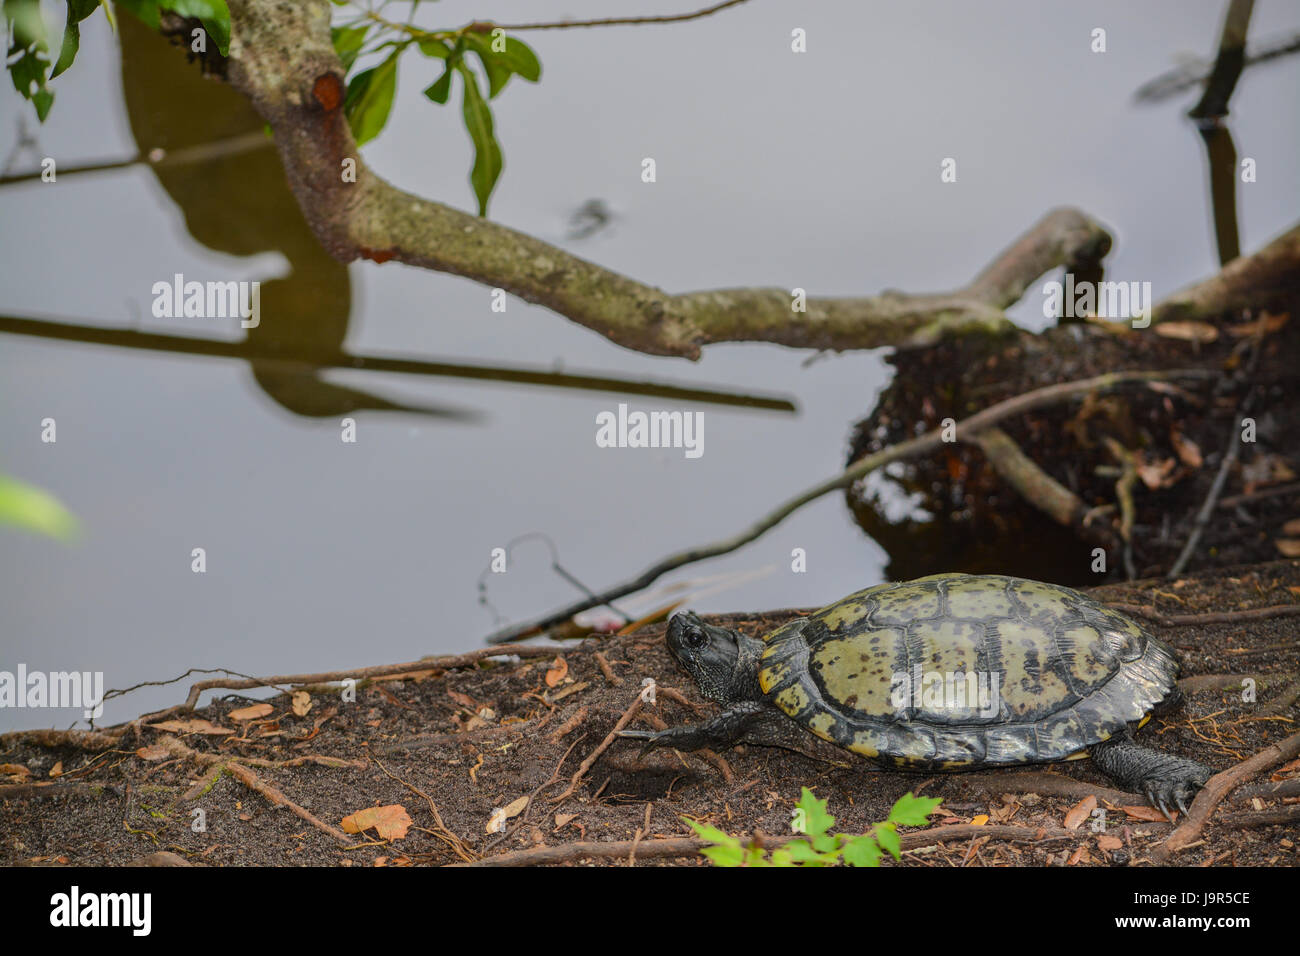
column 16, row 772
column 251, row 712
column 153, row 753
column 301, row 703
column 980, row 820
column 559, row 670
column 389, row 823
column 1201, row 332
column 1291, row 527
column 1109, row 842
column 1079, row 812
column 1144, row 813
column 195, row 726
column 57, row 770
column 1288, row 547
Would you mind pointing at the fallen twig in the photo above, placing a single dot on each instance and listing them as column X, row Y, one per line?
column 633, row 709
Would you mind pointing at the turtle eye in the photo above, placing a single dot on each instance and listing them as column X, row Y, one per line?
column 695, row 637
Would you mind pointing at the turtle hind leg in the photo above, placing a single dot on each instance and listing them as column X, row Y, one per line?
column 1165, row 779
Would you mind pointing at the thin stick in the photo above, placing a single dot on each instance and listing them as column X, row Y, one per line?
column 1229, row 458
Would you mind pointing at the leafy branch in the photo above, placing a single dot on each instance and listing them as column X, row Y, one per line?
column 819, row 846
column 370, row 92
column 28, row 56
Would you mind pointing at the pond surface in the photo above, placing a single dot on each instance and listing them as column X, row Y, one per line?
column 818, row 170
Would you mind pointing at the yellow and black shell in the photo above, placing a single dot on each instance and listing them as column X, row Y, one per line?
column 958, row 670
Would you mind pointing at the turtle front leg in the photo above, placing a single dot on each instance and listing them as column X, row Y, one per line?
column 718, row 733
column 1164, row 778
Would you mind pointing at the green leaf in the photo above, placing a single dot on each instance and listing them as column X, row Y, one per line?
column 213, row 14
column 34, row 509
column 28, row 24
column 145, row 10
column 487, row 152
column 912, row 811
column 724, row 855
column 348, row 42
column 712, row 834
column 370, row 99
column 435, row 48
column 887, row 837
column 521, row 59
column 78, row 10
column 862, row 851
column 440, row 89
column 497, row 72
column 782, row 857
column 816, row 819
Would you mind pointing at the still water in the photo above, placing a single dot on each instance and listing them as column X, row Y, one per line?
column 818, row 170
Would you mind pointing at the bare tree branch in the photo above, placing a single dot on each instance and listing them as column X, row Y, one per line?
column 282, row 59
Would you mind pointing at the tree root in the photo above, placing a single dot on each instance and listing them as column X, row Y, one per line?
column 1216, row 789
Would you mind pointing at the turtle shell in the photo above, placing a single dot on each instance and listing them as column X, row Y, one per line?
column 957, row 670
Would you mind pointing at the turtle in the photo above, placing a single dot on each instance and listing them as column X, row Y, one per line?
column 947, row 672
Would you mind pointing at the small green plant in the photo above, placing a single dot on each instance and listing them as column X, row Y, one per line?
column 818, row 846
column 34, row 509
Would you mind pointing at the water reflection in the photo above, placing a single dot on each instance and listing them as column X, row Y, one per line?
column 221, row 171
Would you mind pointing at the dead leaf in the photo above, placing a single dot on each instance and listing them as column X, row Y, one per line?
column 1156, row 474
column 1267, row 323
column 251, row 712
column 15, row 771
column 1079, row 812
column 1109, row 842
column 153, row 753
column 473, row 771
column 196, row 725
column 1200, row 332
column 389, row 823
column 301, row 703
column 573, row 689
column 1144, row 813
column 980, row 820
column 501, row 814
column 562, row 820
column 1288, row 547
column 1292, row 527
column 1189, row 453
column 469, row 703
column 56, row 770
column 559, row 670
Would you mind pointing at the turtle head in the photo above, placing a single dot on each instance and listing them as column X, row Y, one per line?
column 718, row 658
